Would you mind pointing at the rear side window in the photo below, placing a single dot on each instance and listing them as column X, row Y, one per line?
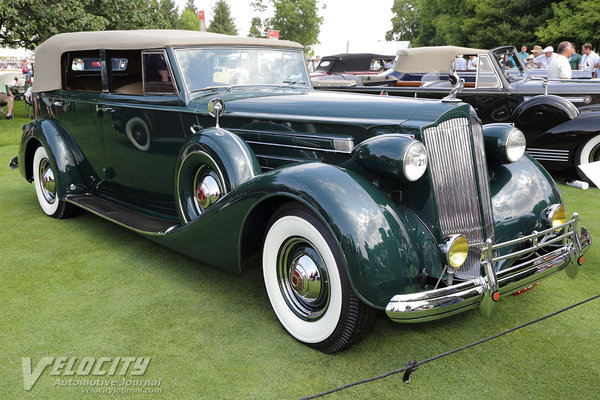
column 125, row 72
column 82, row 71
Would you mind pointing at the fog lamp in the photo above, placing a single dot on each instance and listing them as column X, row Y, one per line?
column 555, row 215
column 456, row 249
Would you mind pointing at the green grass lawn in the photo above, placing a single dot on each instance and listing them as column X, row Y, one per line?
column 84, row 287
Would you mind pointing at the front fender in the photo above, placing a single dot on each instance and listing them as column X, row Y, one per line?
column 386, row 248
column 62, row 151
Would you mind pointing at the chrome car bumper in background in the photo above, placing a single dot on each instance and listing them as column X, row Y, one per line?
column 562, row 251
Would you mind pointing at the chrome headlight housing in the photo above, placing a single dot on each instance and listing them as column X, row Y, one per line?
column 503, row 143
column 394, row 156
column 414, row 162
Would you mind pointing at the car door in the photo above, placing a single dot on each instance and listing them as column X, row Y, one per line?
column 75, row 108
column 142, row 129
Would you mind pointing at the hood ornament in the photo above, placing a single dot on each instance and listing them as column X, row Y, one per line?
column 456, row 81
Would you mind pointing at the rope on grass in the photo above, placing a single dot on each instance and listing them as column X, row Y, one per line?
column 413, row 365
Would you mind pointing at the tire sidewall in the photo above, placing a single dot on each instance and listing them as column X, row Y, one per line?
column 583, row 156
column 51, row 209
column 300, row 224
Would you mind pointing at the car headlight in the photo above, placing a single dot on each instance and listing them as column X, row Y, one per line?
column 393, row 156
column 515, row 145
column 456, row 249
column 503, row 143
column 555, row 215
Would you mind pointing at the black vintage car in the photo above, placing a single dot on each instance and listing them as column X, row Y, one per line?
column 352, row 69
column 560, row 118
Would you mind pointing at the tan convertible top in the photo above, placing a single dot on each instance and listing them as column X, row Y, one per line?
column 48, row 54
column 430, row 59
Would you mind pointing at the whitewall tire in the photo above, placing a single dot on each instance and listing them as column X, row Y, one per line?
column 306, row 282
column 45, row 184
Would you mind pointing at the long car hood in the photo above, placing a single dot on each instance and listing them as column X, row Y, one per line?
column 322, row 106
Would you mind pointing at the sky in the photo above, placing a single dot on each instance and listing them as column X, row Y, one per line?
column 345, row 27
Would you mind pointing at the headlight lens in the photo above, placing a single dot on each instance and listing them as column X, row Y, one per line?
column 456, row 248
column 515, row 145
column 415, row 161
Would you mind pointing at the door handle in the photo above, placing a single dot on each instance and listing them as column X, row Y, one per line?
column 103, row 108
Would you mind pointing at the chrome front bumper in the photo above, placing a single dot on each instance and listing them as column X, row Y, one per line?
column 560, row 252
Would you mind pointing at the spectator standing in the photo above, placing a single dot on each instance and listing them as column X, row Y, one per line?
column 543, row 60
column 559, row 67
column 460, row 63
column 472, row 63
column 589, row 58
column 523, row 53
column 575, row 60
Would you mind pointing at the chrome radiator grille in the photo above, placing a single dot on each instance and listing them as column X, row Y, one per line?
column 458, row 173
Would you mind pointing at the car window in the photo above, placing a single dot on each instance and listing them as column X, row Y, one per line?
column 204, row 67
column 486, row 76
column 125, row 72
column 82, row 71
column 158, row 78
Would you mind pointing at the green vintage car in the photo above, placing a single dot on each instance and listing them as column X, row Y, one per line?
column 219, row 148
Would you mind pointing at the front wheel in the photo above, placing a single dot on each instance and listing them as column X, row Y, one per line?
column 307, row 284
column 45, row 187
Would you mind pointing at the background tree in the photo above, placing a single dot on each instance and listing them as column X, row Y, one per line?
column 576, row 21
column 297, row 20
column 500, row 22
column 189, row 20
column 170, row 14
column 26, row 23
column 405, row 22
column 256, row 28
column 222, row 21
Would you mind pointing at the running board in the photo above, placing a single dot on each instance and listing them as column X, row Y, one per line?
column 122, row 216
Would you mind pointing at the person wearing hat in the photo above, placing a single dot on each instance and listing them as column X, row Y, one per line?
column 529, row 62
column 543, row 60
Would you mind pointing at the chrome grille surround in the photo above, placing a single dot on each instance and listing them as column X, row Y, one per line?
column 458, row 172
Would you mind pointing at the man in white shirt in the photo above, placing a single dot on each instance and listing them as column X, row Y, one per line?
column 589, row 58
column 559, row 67
column 460, row 63
column 542, row 61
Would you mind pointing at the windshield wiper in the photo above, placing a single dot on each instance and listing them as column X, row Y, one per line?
column 210, row 88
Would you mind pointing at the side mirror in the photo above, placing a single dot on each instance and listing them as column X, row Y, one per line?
column 216, row 108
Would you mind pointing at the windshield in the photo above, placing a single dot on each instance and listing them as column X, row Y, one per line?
column 209, row 67
column 511, row 64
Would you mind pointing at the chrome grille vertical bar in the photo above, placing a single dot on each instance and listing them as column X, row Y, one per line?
column 458, row 173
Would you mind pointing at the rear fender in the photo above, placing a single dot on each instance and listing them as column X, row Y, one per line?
column 65, row 157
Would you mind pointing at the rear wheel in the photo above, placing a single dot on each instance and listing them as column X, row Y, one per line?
column 307, row 285
column 587, row 153
column 45, row 187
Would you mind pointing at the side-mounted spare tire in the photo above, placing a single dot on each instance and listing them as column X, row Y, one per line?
column 212, row 163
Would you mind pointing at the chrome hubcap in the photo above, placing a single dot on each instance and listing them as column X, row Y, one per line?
column 207, row 188
column 303, row 279
column 47, row 183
